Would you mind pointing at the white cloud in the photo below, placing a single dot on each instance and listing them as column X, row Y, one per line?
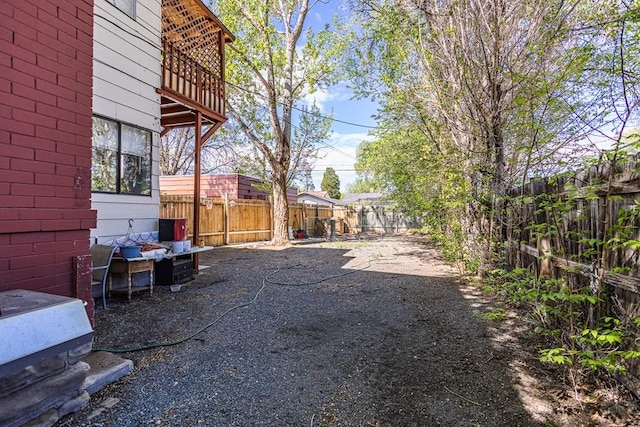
column 320, row 97
column 332, row 95
column 348, row 139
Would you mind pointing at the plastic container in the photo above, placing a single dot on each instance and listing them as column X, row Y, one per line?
column 177, row 247
column 130, row 251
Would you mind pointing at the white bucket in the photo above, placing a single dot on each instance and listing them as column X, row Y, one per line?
column 186, row 245
column 178, row 247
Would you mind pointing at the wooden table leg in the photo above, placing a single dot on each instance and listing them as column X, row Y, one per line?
column 151, row 278
column 128, row 269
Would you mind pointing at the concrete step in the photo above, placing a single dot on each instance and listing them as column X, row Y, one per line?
column 106, row 368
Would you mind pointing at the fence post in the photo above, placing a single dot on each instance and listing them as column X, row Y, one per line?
column 303, row 224
column 226, row 219
column 546, row 264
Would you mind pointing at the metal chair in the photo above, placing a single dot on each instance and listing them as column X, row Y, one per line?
column 101, row 258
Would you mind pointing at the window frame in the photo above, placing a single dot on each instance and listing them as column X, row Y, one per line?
column 134, row 8
column 119, row 158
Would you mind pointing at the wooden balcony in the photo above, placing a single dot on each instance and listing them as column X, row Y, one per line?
column 193, row 45
column 193, row 87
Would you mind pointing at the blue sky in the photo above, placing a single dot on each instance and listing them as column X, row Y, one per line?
column 339, row 151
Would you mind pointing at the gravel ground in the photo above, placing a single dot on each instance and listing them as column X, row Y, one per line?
column 361, row 332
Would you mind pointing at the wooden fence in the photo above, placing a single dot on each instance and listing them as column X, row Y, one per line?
column 222, row 221
column 230, row 221
column 353, row 218
column 227, row 221
column 381, row 219
column 565, row 223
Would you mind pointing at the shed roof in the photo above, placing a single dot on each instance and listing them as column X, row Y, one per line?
column 309, row 197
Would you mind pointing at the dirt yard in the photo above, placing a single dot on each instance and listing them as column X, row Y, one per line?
column 361, row 332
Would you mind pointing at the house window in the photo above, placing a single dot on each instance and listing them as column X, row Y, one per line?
column 127, row 6
column 121, row 161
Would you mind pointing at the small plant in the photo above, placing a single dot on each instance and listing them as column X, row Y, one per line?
column 596, row 348
column 495, row 314
column 560, row 310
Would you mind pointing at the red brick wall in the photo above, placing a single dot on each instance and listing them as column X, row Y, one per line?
column 45, row 145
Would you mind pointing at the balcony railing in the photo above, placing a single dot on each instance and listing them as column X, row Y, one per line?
column 183, row 76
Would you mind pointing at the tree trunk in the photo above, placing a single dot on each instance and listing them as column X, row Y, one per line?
column 280, row 208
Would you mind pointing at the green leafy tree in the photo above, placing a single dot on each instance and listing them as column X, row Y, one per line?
column 276, row 60
column 331, row 183
column 424, row 183
column 481, row 82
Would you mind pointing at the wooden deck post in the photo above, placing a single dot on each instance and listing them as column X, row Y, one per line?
column 226, row 219
column 196, row 187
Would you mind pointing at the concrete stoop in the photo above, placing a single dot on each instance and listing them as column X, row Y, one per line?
column 41, row 394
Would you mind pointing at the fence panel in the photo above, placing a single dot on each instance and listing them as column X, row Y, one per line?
column 296, row 216
column 316, row 217
column 248, row 221
column 352, row 219
column 560, row 224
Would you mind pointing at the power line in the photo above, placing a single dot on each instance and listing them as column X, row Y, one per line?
column 335, row 149
column 335, row 120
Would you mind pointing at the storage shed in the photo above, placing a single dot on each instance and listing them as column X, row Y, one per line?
column 237, row 186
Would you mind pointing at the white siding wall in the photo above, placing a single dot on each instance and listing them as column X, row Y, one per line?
column 126, row 73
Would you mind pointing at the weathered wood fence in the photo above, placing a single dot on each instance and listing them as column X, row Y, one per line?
column 570, row 223
column 381, row 219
